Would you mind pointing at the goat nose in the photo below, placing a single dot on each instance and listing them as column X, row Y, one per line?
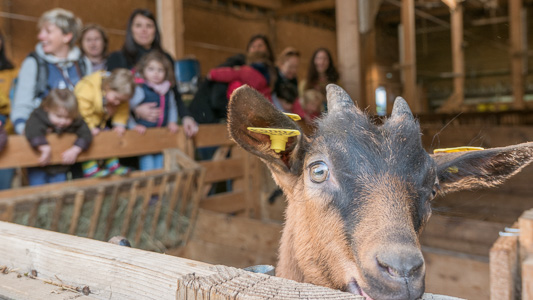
column 402, row 261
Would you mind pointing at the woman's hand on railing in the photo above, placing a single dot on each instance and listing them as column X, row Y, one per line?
column 147, row 111
column 190, row 126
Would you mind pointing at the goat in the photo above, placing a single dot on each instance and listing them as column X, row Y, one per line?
column 360, row 194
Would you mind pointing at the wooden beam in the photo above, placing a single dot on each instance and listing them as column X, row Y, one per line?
column 525, row 223
column 504, row 268
column 408, row 60
column 170, row 17
column 527, row 278
column 518, row 51
column 349, row 48
column 458, row 60
column 306, row 7
column 268, row 4
column 452, row 4
column 19, row 153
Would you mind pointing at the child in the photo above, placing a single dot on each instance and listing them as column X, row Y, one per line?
column 312, row 103
column 258, row 73
column 156, row 71
column 104, row 97
column 57, row 113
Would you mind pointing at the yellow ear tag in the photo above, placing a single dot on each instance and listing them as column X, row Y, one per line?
column 294, row 117
column 278, row 137
column 457, row 149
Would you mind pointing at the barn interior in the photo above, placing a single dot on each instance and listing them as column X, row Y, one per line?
column 463, row 66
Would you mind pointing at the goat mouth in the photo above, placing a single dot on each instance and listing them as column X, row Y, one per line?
column 354, row 288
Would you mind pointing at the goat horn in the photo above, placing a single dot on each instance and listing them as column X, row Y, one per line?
column 338, row 99
column 401, row 108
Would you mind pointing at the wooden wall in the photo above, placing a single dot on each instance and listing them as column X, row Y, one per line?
column 211, row 33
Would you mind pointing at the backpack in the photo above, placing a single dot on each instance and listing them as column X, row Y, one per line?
column 41, row 85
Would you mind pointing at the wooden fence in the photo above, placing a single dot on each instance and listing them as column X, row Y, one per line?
column 40, row 264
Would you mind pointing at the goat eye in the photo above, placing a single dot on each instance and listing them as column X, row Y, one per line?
column 319, row 172
column 435, row 190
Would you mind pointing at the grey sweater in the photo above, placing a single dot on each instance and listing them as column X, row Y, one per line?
column 24, row 101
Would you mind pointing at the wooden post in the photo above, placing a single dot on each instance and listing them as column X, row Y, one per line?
column 409, row 55
column 526, row 234
column 170, row 19
column 504, row 268
column 349, row 49
column 518, row 54
column 458, row 61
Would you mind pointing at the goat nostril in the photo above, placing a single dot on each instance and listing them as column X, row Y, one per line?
column 400, row 269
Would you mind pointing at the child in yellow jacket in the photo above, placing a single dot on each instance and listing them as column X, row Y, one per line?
column 104, row 97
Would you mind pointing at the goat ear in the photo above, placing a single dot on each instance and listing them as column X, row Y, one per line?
column 480, row 169
column 248, row 108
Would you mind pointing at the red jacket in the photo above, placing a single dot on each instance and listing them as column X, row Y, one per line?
column 237, row 77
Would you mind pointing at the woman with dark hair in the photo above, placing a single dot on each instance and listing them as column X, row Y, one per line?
column 142, row 36
column 93, row 44
column 321, row 72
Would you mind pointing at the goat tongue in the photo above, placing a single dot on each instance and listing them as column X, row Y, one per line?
column 354, row 288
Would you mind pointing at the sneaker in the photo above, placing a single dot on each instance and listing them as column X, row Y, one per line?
column 115, row 168
column 92, row 170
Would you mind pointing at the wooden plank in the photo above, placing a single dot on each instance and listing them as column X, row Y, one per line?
column 13, row 286
column 78, row 183
column 196, row 204
column 111, row 213
column 408, row 59
column 461, row 234
column 217, row 171
column 96, row 212
column 173, row 199
column 456, row 274
column 458, row 60
column 527, row 278
column 504, row 268
column 306, row 7
column 170, row 19
column 518, row 49
column 56, row 256
column 349, row 49
column 34, row 212
column 186, row 196
column 142, row 218
column 210, row 135
column 18, row 152
column 452, row 4
column 229, row 202
column 525, row 223
column 57, row 213
column 129, row 208
column 76, row 212
column 8, row 214
column 163, row 187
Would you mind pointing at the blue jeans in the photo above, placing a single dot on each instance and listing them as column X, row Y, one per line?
column 151, row 162
column 38, row 176
column 6, row 176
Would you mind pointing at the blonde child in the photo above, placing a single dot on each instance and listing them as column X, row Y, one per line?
column 312, row 103
column 104, row 97
column 57, row 113
column 156, row 71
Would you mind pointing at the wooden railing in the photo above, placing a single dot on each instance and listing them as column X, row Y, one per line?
column 229, row 164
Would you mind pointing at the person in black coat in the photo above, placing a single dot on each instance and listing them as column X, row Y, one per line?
column 142, row 36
